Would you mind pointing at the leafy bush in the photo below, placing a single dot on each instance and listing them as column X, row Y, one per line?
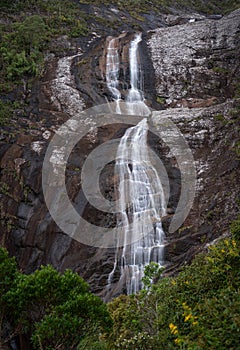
column 8, row 272
column 57, row 310
column 198, row 309
column 235, row 230
column 21, row 48
column 24, row 42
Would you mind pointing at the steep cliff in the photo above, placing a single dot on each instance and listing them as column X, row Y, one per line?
column 197, row 75
column 191, row 73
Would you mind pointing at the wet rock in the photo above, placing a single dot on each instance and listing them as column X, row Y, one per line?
column 90, row 70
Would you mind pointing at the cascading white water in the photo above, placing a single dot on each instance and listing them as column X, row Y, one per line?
column 141, row 196
column 135, row 98
column 112, row 71
column 141, row 206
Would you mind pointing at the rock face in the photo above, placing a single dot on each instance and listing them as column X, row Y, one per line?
column 196, row 75
column 90, row 70
column 197, row 64
column 212, row 142
column 197, row 68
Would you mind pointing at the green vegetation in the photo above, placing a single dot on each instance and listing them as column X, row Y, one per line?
column 56, row 311
column 221, row 70
column 4, row 188
column 27, row 31
column 6, row 111
column 198, row 309
column 161, row 100
column 21, row 48
column 220, row 117
column 26, row 37
column 32, row 24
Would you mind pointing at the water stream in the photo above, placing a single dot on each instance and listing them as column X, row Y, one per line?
column 112, row 71
column 141, row 203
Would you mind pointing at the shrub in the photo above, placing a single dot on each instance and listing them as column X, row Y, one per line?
column 198, row 309
column 56, row 310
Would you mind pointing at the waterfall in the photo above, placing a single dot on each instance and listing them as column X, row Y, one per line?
column 112, row 71
column 135, row 98
column 141, row 196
